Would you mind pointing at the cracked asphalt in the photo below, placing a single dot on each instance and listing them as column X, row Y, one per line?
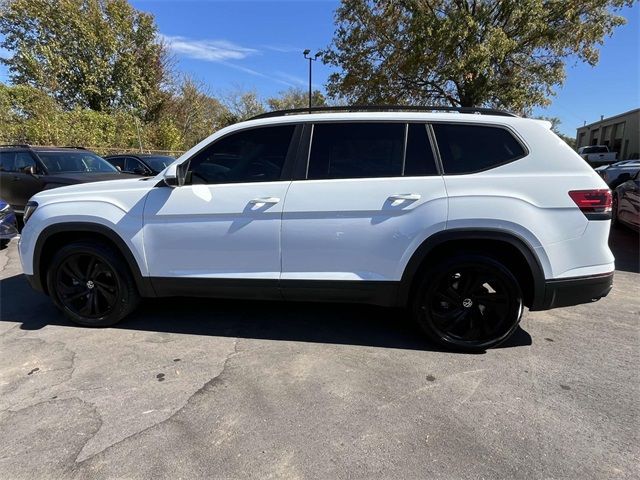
column 208, row 389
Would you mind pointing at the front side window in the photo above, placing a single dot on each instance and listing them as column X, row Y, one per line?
column 356, row 150
column 16, row 161
column 255, row 155
column 472, row 148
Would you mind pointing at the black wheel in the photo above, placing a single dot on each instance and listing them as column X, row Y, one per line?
column 469, row 303
column 91, row 284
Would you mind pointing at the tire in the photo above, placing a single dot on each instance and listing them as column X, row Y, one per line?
column 614, row 212
column 468, row 303
column 91, row 284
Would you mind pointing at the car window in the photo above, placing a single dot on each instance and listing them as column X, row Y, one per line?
column 74, row 161
column 595, row 150
column 472, row 148
column 419, row 159
column 255, row 155
column 16, row 161
column 117, row 161
column 160, row 162
column 132, row 164
column 356, row 150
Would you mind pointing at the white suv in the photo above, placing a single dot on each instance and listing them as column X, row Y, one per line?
column 463, row 217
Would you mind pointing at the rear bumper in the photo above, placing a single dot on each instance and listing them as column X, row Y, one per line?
column 566, row 292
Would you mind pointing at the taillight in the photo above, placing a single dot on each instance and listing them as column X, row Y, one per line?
column 595, row 204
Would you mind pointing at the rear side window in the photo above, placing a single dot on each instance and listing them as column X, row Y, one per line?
column 419, row 159
column 356, row 150
column 472, row 148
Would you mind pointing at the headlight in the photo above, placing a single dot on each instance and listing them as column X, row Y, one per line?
column 28, row 210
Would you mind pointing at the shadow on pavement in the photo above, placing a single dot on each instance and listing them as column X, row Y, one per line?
column 305, row 322
column 625, row 245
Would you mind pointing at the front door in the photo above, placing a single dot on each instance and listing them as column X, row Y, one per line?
column 372, row 193
column 225, row 222
column 18, row 186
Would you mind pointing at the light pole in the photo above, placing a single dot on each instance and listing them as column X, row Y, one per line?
column 311, row 59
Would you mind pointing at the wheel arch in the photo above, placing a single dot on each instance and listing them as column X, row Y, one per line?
column 58, row 234
column 505, row 246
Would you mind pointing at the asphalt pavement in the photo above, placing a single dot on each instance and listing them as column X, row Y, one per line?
column 219, row 389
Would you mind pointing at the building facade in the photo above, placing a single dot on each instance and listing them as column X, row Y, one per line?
column 621, row 133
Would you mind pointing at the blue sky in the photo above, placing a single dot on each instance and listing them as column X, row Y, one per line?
column 258, row 45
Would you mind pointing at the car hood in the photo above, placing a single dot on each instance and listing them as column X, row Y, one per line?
column 73, row 178
column 90, row 189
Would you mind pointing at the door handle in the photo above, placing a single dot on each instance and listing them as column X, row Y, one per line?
column 405, row 196
column 258, row 201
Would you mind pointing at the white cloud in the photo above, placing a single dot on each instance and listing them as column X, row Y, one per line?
column 208, row 50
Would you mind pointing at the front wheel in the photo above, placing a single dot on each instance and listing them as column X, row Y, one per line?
column 469, row 303
column 91, row 284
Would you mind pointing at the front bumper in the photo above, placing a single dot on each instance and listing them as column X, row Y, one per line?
column 565, row 292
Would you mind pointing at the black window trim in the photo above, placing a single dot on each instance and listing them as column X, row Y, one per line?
column 289, row 161
column 307, row 142
column 513, row 133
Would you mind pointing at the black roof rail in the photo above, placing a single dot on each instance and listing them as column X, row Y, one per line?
column 77, row 147
column 21, row 145
column 385, row 108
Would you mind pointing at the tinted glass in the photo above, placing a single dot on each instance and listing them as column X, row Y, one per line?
column 75, row 162
column 595, row 150
column 117, row 161
column 471, row 148
column 133, row 164
column 355, row 150
column 159, row 163
column 255, row 155
column 16, row 161
column 419, row 157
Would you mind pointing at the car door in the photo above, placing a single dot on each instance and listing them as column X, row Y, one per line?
column 16, row 184
column 370, row 194
column 224, row 223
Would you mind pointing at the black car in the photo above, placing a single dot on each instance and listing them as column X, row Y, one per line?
column 26, row 170
column 140, row 163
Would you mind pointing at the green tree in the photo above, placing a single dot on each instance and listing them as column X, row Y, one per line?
column 296, row 98
column 97, row 54
column 555, row 127
column 500, row 53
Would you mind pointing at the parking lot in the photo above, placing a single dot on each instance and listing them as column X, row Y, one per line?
column 196, row 388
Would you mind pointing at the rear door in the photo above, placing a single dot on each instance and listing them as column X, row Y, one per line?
column 369, row 194
column 16, row 185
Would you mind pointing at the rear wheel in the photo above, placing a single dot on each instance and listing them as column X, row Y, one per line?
column 468, row 302
column 91, row 284
column 614, row 211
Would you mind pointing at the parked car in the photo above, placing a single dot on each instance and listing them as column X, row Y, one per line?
column 8, row 225
column 26, row 170
column 463, row 218
column 620, row 172
column 597, row 155
column 626, row 203
column 139, row 163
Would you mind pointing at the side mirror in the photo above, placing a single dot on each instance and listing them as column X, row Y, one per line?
column 118, row 168
column 30, row 170
column 140, row 171
column 175, row 174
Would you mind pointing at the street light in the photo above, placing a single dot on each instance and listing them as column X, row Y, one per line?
column 311, row 59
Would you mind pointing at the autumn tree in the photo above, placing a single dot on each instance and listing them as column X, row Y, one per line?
column 296, row 98
column 500, row 53
column 97, row 54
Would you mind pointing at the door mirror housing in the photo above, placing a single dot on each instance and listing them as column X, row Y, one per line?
column 30, row 170
column 175, row 174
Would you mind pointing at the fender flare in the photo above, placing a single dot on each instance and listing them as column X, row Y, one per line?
column 440, row 238
column 142, row 283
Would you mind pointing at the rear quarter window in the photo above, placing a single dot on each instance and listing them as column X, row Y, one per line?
column 474, row 148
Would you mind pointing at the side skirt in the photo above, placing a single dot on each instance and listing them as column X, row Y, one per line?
column 369, row 292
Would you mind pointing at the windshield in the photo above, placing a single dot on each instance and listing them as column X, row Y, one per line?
column 160, row 162
column 75, row 161
column 595, row 150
